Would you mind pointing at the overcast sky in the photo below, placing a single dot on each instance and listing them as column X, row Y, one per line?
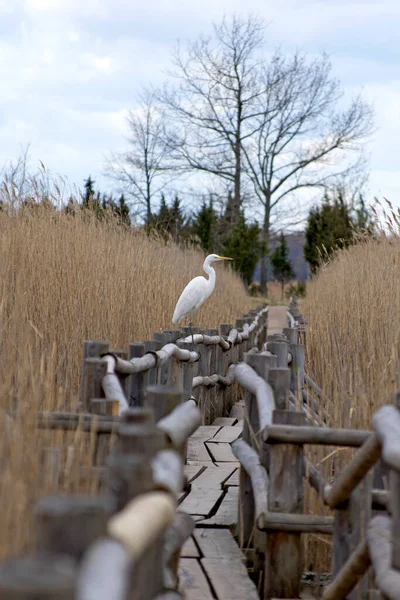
column 70, row 69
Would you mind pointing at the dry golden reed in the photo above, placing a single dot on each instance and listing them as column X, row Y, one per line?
column 64, row 279
column 352, row 349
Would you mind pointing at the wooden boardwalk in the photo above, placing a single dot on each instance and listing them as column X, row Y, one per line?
column 212, row 564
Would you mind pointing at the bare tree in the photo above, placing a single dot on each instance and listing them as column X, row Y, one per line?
column 302, row 138
column 145, row 169
column 215, row 100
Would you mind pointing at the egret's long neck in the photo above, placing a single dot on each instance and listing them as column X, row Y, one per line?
column 211, row 278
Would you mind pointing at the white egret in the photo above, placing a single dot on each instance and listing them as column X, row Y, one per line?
column 197, row 291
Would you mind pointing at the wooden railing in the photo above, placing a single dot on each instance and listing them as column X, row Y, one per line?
column 147, row 407
column 126, row 542
column 273, row 470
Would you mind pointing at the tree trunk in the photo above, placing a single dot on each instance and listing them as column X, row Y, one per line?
column 265, row 239
column 237, row 205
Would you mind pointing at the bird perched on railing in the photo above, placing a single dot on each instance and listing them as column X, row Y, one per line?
column 197, row 291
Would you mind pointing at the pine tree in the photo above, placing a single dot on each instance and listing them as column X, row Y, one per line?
column 281, row 267
column 205, row 225
column 329, row 226
column 89, row 192
column 243, row 245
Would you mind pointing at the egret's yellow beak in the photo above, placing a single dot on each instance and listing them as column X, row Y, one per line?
column 224, row 258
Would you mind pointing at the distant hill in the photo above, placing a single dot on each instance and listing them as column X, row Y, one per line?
column 295, row 242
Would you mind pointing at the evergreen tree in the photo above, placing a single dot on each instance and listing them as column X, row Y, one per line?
column 177, row 222
column 89, row 192
column 281, row 267
column 329, row 226
column 170, row 220
column 205, row 225
column 243, row 245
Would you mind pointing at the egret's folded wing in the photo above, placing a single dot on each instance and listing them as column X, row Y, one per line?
column 191, row 298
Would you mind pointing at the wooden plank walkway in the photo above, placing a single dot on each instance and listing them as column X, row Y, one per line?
column 212, row 565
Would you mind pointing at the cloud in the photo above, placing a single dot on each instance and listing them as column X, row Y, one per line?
column 72, row 69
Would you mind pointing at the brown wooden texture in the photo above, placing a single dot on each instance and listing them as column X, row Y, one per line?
column 283, row 561
column 38, row 578
column 229, row 579
column 192, row 581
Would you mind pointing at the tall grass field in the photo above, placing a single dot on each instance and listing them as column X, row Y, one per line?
column 64, row 279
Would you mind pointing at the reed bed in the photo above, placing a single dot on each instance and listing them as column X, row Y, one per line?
column 352, row 349
column 65, row 278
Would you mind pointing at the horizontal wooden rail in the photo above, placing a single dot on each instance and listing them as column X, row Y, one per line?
column 350, row 574
column 234, row 337
column 296, row 523
column 315, row 435
column 94, row 424
column 354, row 472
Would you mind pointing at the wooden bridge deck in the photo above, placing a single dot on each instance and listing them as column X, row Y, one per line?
column 212, row 564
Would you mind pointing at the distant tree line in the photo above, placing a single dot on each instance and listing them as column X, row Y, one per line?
column 258, row 131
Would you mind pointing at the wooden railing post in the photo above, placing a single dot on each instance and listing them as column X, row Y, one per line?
column 93, row 370
column 280, row 349
column 203, row 393
column 152, row 374
column 50, row 578
column 242, row 347
column 163, row 371
column 279, row 380
column 189, row 370
column 137, row 381
column 69, row 525
column 226, row 360
column 138, row 433
column 292, row 334
column 162, row 400
column 347, row 532
column 104, row 407
column 283, row 559
column 214, row 406
column 129, row 475
column 297, row 368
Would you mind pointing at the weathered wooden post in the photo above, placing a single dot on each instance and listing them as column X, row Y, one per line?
column 138, row 434
column 203, row 393
column 292, row 334
column 163, row 371
column 297, row 368
column 189, row 371
column 280, row 349
column 283, row 559
column 279, row 380
column 152, row 374
column 31, row 578
column 213, row 410
column 93, row 370
column 225, row 361
column 104, row 441
column 137, row 381
column 131, row 474
column 162, row 400
column 69, row 525
column 242, row 347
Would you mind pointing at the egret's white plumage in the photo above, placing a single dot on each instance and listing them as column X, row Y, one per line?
column 197, row 290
